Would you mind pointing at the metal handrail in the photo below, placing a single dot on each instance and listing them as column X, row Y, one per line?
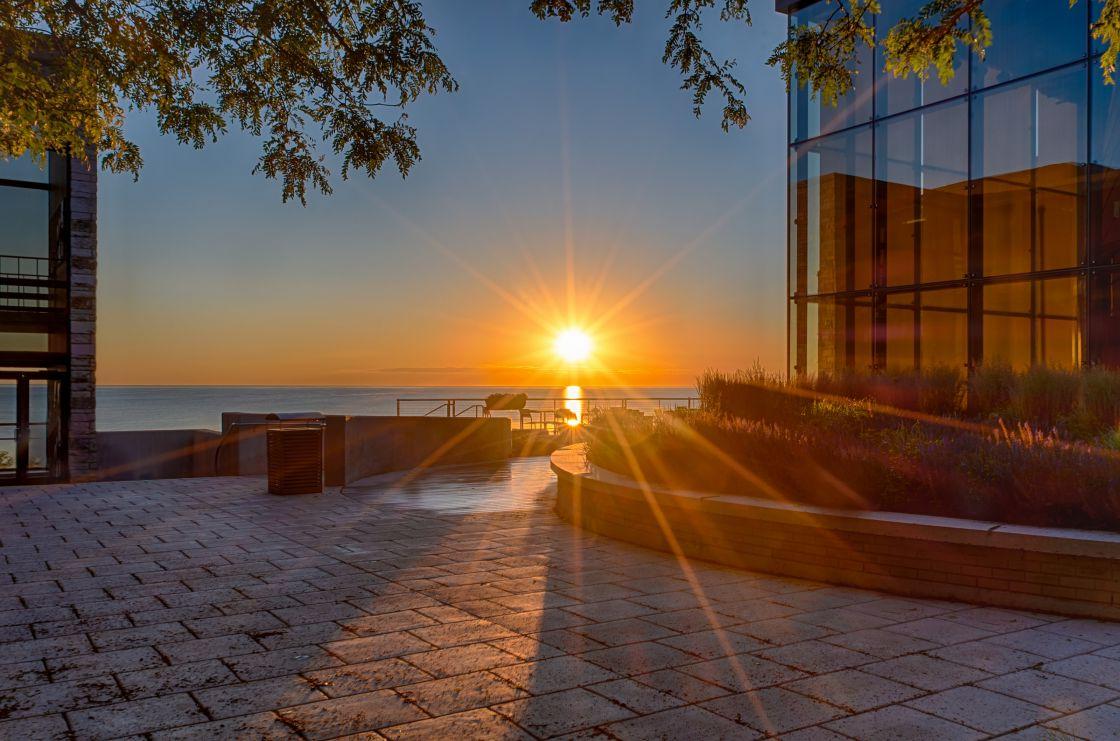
column 451, row 405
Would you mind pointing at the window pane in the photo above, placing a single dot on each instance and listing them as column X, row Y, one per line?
column 1105, row 313
column 894, row 94
column 1029, row 36
column 1028, row 143
column 24, row 222
column 1105, row 172
column 1033, row 322
column 830, row 334
column 23, row 168
column 922, row 169
column 927, row 329
column 808, row 116
column 830, row 203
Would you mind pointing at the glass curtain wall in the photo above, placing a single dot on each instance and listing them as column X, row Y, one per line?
column 971, row 221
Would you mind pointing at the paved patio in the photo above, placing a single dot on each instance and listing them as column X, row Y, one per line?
column 459, row 606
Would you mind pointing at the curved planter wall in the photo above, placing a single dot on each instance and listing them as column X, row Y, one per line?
column 1071, row 572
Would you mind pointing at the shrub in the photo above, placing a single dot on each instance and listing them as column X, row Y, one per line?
column 752, row 394
column 941, row 391
column 1100, row 394
column 1046, row 396
column 991, row 389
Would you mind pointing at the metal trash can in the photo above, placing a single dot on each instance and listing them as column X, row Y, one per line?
column 295, row 453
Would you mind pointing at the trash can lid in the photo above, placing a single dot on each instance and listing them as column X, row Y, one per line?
column 294, row 416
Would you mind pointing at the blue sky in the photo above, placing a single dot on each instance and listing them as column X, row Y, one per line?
column 561, row 134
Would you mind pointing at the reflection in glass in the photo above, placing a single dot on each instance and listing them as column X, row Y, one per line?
column 24, row 222
column 831, row 229
column 808, row 116
column 831, row 334
column 922, row 172
column 1028, row 145
column 1105, row 171
column 1033, row 322
column 927, row 329
column 24, row 169
column 1030, row 36
column 896, row 94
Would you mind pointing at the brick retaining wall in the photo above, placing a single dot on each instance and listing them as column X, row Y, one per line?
column 1063, row 571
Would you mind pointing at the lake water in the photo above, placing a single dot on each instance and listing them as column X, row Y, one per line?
column 184, row 407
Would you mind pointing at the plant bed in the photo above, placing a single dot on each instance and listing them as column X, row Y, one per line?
column 799, row 445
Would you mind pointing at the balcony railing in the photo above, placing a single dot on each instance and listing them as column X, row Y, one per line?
column 35, row 283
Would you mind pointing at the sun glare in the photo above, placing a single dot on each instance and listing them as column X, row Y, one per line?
column 573, row 345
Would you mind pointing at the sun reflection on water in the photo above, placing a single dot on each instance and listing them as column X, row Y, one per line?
column 573, row 394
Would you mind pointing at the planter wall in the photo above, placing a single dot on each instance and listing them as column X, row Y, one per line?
column 1064, row 571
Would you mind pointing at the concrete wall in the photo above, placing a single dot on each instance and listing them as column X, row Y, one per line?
column 358, row 447
column 83, row 454
column 156, row 454
column 1069, row 572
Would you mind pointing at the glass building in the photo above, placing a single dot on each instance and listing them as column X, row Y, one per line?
column 47, row 269
column 976, row 221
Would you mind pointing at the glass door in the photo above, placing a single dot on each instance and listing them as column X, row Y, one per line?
column 31, row 427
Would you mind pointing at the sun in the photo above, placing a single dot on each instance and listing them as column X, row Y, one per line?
column 573, row 345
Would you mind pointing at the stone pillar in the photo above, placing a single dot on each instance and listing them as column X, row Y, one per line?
column 83, row 314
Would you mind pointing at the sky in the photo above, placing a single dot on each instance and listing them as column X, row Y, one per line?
column 566, row 184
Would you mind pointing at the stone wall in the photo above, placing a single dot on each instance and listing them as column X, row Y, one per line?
column 1063, row 571
column 83, row 454
column 156, row 454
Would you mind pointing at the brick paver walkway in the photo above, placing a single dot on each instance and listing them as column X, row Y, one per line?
column 208, row 609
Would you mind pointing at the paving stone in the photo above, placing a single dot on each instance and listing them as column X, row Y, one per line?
column 687, row 722
column 109, row 662
column 248, row 622
column 620, row 632
column 926, row 672
column 816, row 657
column 389, row 622
column 1049, row 645
column 551, row 675
column 854, row 690
column 460, row 693
column 110, row 640
column 900, row 722
column 1096, row 631
column 988, row 657
column 307, row 614
column 781, row 632
column 473, row 724
column 22, row 674
column 982, row 709
column 638, row 697
column 354, row 679
column 43, row 648
column 712, row 644
column 280, row 662
column 40, row 728
column 773, row 710
column 880, row 643
column 135, row 717
column 562, row 712
column 1092, row 669
column 201, row 649
column 609, row 610
column 943, row 632
column 170, row 679
column 371, row 648
column 252, row 697
column 461, row 633
column 692, row 621
column 526, row 648
column 1050, row 690
column 446, row 662
column 639, row 658
column 1101, row 722
column 299, row 635
column 742, row 673
column 262, row 726
column 353, row 714
column 59, row 696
